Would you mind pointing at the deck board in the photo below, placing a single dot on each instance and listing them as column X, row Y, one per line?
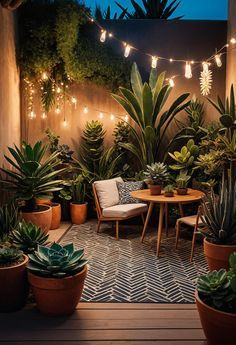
column 106, row 324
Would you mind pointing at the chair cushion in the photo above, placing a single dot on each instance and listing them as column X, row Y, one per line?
column 124, row 189
column 190, row 220
column 124, row 211
column 107, row 192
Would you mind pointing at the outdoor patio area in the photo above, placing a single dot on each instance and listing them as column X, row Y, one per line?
column 118, row 172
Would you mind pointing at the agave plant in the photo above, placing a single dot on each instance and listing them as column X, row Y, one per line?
column 157, row 174
column 32, row 179
column 28, row 236
column 56, row 261
column 151, row 9
column 144, row 103
column 9, row 255
column 8, row 220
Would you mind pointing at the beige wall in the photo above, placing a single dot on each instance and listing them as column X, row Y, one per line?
column 231, row 59
column 9, row 84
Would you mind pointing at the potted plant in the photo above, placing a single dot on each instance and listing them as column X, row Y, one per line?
column 216, row 304
column 56, row 275
column 33, row 179
column 169, row 191
column 182, row 181
column 156, row 175
column 219, row 221
column 56, row 215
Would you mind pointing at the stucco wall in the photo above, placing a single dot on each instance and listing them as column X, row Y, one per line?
column 9, row 84
column 231, row 58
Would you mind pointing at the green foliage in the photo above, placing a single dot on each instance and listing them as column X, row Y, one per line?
column 182, row 180
column 47, row 94
column 8, row 220
column 53, row 140
column 218, row 288
column 144, row 103
column 56, row 261
column 9, row 255
column 210, row 163
column 186, row 157
column 101, row 14
column 32, row 177
column 157, row 174
column 151, row 9
column 169, row 188
column 65, row 153
column 28, row 236
column 74, row 190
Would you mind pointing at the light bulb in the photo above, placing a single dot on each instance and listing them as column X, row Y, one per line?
column 218, row 60
column 188, row 71
column 101, row 115
column 127, row 50
column 103, row 36
column 171, row 60
column 32, row 115
column 112, row 117
column 58, row 89
column 44, row 76
column 57, row 110
column 171, row 82
column 205, row 66
column 154, row 61
column 233, row 40
column 126, row 118
column 65, row 123
column 44, row 116
column 110, row 34
column 74, row 101
column 85, row 110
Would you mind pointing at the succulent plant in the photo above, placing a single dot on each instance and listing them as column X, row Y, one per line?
column 56, row 261
column 157, row 174
column 169, row 188
column 9, row 255
column 210, row 163
column 8, row 220
column 28, row 236
column 182, row 180
column 186, row 157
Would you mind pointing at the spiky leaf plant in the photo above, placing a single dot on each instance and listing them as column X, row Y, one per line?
column 28, row 236
column 56, row 261
column 157, row 174
column 8, row 220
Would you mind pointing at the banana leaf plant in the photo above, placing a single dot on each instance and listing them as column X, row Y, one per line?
column 30, row 177
column 145, row 103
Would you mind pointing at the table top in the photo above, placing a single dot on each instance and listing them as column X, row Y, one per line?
column 144, row 195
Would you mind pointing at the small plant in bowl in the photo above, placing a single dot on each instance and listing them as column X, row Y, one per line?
column 169, row 191
column 57, row 275
column 182, row 181
column 156, row 175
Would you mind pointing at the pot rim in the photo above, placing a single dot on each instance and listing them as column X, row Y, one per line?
column 74, row 203
column 55, row 204
column 46, row 209
column 26, row 259
column 211, row 308
column 218, row 245
column 59, row 279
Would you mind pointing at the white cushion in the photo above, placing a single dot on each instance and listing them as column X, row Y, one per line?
column 124, row 211
column 107, row 192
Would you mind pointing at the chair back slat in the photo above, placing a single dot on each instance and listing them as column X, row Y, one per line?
column 98, row 207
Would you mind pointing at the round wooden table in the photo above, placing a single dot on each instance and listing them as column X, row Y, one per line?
column 144, row 195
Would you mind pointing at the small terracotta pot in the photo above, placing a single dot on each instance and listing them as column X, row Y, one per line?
column 44, row 202
column 42, row 219
column 182, row 191
column 155, row 189
column 217, row 255
column 169, row 194
column 14, row 287
column 57, row 296
column 56, row 216
column 78, row 213
column 219, row 327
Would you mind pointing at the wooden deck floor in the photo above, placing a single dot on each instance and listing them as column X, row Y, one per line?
column 106, row 324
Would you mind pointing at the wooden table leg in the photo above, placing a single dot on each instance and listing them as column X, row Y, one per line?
column 150, row 208
column 166, row 218
column 181, row 211
column 160, row 225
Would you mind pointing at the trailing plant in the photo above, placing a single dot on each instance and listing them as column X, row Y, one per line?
column 144, row 103
column 28, row 236
column 32, row 177
column 151, row 9
column 8, row 220
column 218, row 288
column 56, row 261
column 10, row 256
column 185, row 158
column 182, row 180
column 157, row 174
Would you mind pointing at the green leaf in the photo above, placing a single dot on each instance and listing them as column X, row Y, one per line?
column 147, row 104
column 136, row 82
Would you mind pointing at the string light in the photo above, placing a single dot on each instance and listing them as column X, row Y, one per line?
column 43, row 116
column 171, row 82
column 32, row 115
column 85, row 110
column 233, row 40
column 58, row 89
column 74, row 101
column 218, row 60
column 205, row 66
column 154, row 61
column 171, row 60
column 112, row 117
column 188, row 71
column 101, row 115
column 110, row 34
column 127, row 50
column 65, row 123
column 44, row 76
column 57, row 110
column 103, row 36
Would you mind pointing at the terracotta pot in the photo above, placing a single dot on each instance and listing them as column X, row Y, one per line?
column 42, row 218
column 78, row 213
column 44, row 202
column 217, row 255
column 169, row 194
column 219, row 327
column 14, row 286
column 56, row 216
column 11, row 4
column 57, row 296
column 155, row 189
column 182, row 191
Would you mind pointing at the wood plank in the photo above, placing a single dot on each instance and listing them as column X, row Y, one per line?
column 113, row 342
column 131, row 306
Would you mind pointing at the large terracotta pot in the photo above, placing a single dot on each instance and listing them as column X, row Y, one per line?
column 44, row 202
column 219, row 327
column 56, row 216
column 57, row 296
column 217, row 255
column 78, row 213
column 14, row 286
column 155, row 189
column 42, row 218
column 11, row 4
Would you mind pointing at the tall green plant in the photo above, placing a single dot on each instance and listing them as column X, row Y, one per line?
column 8, row 220
column 144, row 103
column 121, row 136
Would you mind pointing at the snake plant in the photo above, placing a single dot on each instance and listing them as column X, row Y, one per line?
column 28, row 236
column 144, row 103
column 56, row 261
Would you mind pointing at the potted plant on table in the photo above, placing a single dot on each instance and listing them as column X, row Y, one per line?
column 216, row 303
column 56, row 275
column 182, row 181
column 156, row 175
column 33, row 179
column 169, row 191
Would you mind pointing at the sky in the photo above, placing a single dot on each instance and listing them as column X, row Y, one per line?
column 191, row 9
